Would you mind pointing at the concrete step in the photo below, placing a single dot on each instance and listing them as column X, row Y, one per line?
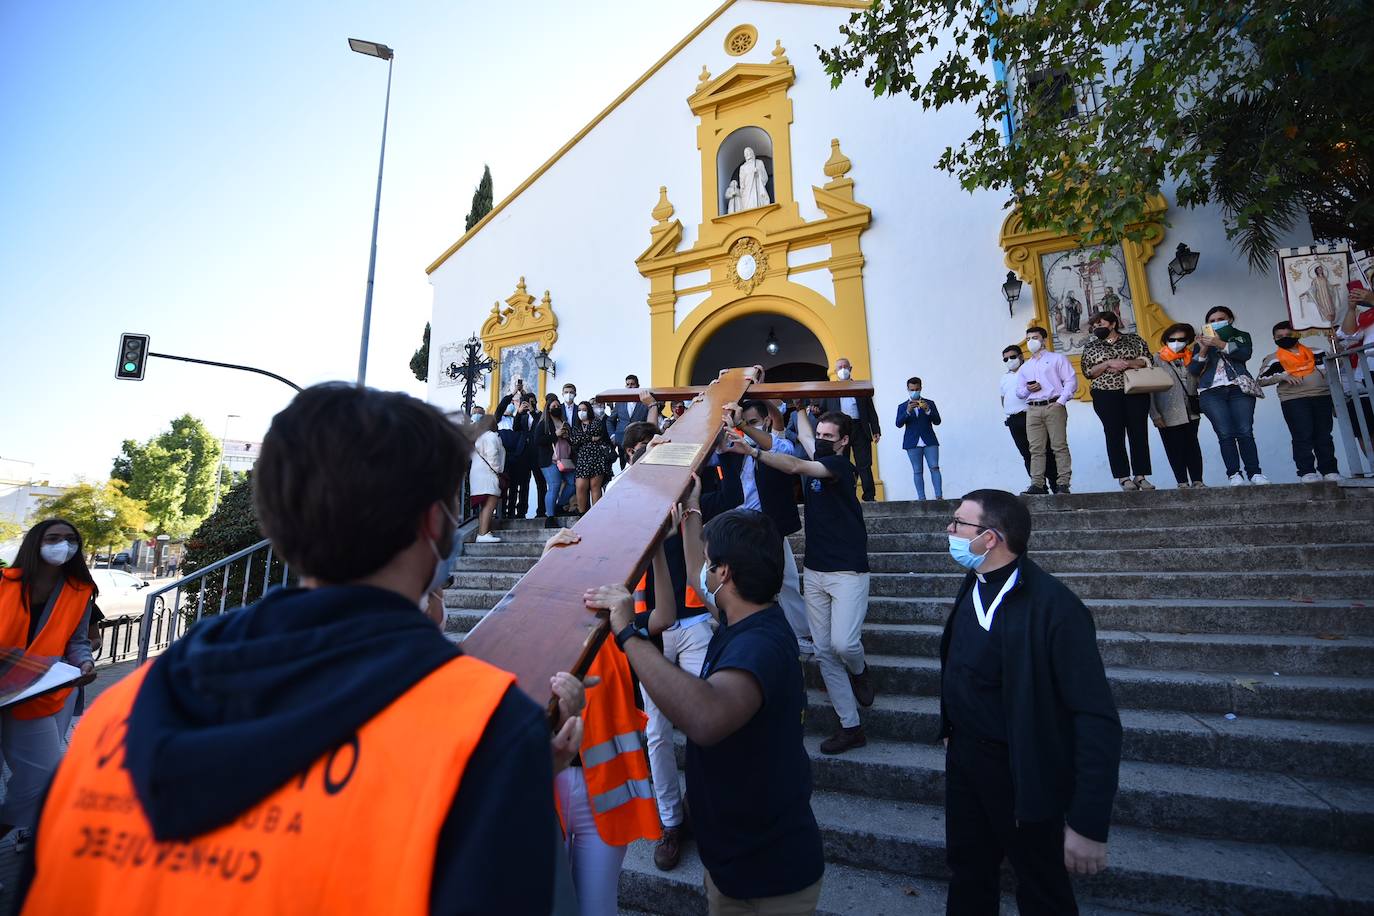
column 521, row 558
column 1171, row 615
column 1148, row 870
column 1344, row 656
column 1229, row 804
column 1127, row 584
column 1255, row 694
column 1121, row 518
column 845, row 890
column 1174, row 615
column 1192, row 560
column 1333, row 749
column 1166, row 495
column 1148, row 584
column 931, row 536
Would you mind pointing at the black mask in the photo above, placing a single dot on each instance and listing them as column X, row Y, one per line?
column 1102, row 333
column 1287, row 343
column 824, row 448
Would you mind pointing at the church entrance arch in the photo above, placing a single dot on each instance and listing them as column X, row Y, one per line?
column 743, row 341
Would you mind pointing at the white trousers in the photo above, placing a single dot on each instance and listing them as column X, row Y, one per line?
column 595, row 863
column 836, row 605
column 793, row 605
column 686, row 648
column 32, row 750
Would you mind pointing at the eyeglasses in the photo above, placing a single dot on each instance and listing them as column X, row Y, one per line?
column 957, row 521
column 1178, row 340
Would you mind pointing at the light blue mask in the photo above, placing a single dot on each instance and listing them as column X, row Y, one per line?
column 1221, row 323
column 704, row 591
column 913, row 395
column 959, row 549
column 444, row 566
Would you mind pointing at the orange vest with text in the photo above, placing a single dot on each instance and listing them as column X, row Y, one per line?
column 51, row 641
column 614, row 762
column 355, row 833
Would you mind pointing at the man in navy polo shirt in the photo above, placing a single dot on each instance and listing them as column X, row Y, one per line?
column 748, row 775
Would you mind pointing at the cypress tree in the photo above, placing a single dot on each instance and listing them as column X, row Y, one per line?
column 481, row 200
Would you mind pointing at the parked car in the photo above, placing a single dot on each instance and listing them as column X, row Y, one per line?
column 121, row 594
column 122, row 560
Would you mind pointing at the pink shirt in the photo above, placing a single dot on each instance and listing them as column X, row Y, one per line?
column 1054, row 372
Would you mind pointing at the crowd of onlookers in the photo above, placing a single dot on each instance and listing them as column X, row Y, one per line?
column 1193, row 374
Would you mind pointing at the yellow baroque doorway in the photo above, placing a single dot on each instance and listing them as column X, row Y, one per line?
column 707, row 321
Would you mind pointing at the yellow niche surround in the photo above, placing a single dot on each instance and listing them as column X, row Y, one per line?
column 1022, row 250
column 521, row 321
column 755, row 95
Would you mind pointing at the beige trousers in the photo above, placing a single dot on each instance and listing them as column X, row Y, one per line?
column 1047, row 428
column 801, row 903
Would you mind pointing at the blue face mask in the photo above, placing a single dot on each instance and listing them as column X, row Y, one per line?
column 1221, row 323
column 913, row 395
column 960, row 550
column 444, row 565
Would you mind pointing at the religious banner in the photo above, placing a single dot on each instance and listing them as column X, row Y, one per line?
column 1314, row 279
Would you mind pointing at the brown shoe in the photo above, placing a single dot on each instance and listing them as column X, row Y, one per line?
column 843, row 740
column 862, row 684
column 669, row 849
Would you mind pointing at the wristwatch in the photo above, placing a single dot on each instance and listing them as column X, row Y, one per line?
column 630, row 632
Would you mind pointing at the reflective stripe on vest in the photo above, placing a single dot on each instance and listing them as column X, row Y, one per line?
column 623, row 794
column 614, row 763
column 620, row 744
column 50, row 642
column 642, row 595
column 355, row 832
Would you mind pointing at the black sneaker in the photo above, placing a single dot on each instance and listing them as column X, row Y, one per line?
column 1063, row 490
column 1040, row 491
column 862, row 684
column 846, row 739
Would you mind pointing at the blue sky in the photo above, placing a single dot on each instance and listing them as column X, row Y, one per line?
column 205, row 174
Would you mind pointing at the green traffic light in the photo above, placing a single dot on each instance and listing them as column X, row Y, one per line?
column 130, row 367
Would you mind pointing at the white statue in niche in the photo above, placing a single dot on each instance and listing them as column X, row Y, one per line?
column 753, row 182
column 732, row 197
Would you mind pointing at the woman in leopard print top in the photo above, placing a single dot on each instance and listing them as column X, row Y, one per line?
column 1125, row 417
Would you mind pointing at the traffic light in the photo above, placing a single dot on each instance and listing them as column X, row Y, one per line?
column 133, row 357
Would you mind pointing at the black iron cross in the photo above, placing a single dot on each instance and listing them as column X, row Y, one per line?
column 470, row 370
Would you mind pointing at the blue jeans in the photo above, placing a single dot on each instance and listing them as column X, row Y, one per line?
column 932, row 460
column 561, row 486
column 1232, row 415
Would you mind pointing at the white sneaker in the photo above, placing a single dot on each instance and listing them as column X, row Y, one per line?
column 1237, row 480
column 1259, row 479
column 1314, row 477
column 488, row 539
column 1332, row 476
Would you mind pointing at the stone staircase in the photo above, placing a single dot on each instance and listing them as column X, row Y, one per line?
column 1237, row 628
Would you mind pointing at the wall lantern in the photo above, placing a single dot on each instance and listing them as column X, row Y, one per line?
column 1184, row 263
column 1012, row 290
column 544, row 363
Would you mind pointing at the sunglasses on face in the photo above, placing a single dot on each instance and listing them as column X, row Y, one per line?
column 1178, row 340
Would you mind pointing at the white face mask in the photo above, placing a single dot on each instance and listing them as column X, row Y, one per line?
column 1033, row 344
column 1177, row 346
column 569, row 398
column 705, row 591
column 1012, row 362
column 581, row 415
column 59, row 553
column 843, row 374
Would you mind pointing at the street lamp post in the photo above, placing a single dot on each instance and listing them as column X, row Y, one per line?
column 219, row 470
column 373, row 49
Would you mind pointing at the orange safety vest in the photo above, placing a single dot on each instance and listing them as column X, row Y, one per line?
column 614, row 762
column 51, row 641
column 373, row 806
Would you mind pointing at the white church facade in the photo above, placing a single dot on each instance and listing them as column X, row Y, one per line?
column 731, row 197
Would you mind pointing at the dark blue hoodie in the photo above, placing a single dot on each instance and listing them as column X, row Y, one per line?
column 249, row 699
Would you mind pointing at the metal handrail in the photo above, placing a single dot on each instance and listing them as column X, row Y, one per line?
column 152, row 615
column 1360, row 387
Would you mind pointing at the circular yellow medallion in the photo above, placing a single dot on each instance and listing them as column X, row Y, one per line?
column 740, row 40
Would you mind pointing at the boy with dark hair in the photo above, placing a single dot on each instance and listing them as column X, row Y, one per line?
column 1032, row 737
column 300, row 711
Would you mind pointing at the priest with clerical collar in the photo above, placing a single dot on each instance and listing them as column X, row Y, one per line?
column 1032, row 737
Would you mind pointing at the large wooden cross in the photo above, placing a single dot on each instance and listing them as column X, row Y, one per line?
column 541, row 626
